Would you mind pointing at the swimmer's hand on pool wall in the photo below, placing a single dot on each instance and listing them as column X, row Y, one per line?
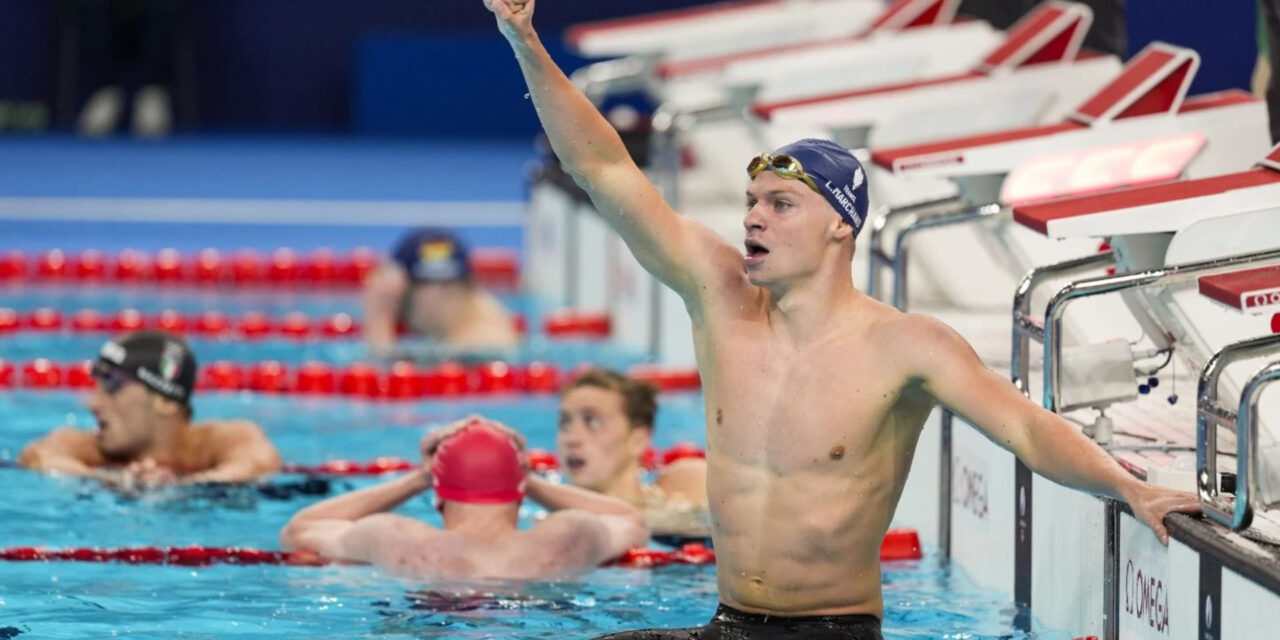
column 1151, row 503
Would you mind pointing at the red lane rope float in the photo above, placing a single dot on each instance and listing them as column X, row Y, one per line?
column 640, row 558
column 198, row 556
column 248, row 326
column 209, row 267
column 402, row 381
column 568, row 323
column 251, row 325
column 541, row 460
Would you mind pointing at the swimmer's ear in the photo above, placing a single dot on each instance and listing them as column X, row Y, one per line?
column 638, row 440
column 165, row 407
column 842, row 231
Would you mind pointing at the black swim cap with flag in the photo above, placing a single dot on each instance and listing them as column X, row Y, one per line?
column 838, row 175
column 432, row 255
column 161, row 361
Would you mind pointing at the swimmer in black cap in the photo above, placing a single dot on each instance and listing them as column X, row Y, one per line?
column 427, row 284
column 815, row 394
column 142, row 404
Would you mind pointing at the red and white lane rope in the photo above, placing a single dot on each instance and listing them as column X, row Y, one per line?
column 898, row 544
column 401, row 381
column 200, row 556
column 254, row 325
column 280, row 268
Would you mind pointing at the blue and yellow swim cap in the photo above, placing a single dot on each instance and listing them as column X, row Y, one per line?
column 432, row 255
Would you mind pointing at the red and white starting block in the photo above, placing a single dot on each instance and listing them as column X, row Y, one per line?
column 1036, row 75
column 1138, row 129
column 886, row 53
column 722, row 28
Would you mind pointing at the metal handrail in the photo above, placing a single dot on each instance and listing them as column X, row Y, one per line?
column 1081, row 289
column 1026, row 328
column 599, row 80
column 914, row 222
column 669, row 124
column 1211, row 414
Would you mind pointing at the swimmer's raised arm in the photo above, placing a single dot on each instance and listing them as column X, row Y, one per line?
column 555, row 496
column 950, row 371
column 354, row 526
column 679, row 252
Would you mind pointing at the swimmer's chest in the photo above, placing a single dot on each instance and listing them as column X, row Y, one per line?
column 828, row 401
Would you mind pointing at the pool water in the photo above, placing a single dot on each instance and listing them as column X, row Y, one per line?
column 924, row 599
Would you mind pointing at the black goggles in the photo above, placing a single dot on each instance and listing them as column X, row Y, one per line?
column 110, row 377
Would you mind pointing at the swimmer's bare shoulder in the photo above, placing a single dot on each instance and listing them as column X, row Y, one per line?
column 919, row 344
column 78, row 444
column 684, row 480
column 235, row 439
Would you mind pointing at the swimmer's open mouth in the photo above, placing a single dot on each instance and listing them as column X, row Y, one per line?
column 755, row 249
column 574, row 463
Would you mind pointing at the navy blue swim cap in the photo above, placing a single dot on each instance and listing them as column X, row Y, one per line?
column 432, row 255
column 839, row 176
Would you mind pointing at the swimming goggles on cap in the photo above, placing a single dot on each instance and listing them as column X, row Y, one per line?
column 783, row 165
column 111, row 378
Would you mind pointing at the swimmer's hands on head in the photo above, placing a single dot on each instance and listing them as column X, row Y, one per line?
column 1151, row 503
column 431, row 441
column 515, row 18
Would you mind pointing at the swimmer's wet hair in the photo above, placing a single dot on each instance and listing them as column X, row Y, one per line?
column 639, row 398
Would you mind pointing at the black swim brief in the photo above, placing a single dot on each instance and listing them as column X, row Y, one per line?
column 730, row 624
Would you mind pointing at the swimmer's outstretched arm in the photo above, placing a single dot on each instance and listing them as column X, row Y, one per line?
column 354, row 526
column 555, row 496
column 679, row 252
column 950, row 370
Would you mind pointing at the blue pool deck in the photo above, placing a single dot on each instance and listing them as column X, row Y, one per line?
column 256, row 192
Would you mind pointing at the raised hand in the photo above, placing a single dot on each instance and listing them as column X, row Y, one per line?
column 515, row 17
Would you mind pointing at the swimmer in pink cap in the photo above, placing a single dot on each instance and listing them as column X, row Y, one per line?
column 477, row 469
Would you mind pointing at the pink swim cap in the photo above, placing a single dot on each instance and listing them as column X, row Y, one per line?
column 478, row 464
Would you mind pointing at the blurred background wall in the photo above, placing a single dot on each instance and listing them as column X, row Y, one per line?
column 408, row 67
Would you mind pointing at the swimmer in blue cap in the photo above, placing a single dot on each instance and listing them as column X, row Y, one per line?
column 427, row 285
column 815, row 394
column 141, row 404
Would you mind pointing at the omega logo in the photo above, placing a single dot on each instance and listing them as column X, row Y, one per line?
column 970, row 488
column 1147, row 599
column 1261, row 298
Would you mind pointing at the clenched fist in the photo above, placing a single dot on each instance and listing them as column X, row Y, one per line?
column 515, row 17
